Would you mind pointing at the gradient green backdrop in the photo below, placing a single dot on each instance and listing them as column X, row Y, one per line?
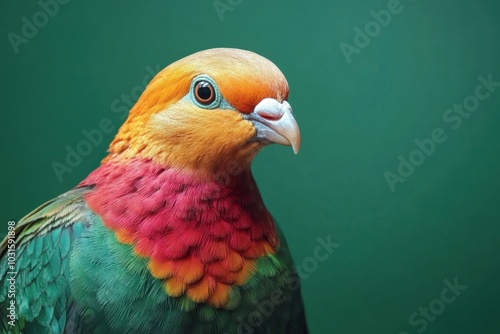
column 356, row 118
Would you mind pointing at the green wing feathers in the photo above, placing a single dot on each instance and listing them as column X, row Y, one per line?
column 43, row 242
column 73, row 276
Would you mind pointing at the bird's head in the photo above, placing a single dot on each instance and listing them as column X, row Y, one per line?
column 210, row 110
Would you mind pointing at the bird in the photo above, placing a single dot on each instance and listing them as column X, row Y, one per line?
column 169, row 234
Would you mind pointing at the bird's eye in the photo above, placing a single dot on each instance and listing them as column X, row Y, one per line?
column 204, row 92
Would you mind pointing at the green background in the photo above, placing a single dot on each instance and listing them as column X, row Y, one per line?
column 356, row 118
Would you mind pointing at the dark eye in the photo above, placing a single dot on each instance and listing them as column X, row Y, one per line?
column 204, row 92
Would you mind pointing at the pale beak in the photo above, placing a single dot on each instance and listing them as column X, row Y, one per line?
column 274, row 123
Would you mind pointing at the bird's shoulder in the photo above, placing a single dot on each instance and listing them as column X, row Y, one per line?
column 34, row 263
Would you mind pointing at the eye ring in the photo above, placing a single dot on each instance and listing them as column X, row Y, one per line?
column 204, row 92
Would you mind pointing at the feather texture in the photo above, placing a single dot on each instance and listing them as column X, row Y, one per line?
column 168, row 217
column 170, row 233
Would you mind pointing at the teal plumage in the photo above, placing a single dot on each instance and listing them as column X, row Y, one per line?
column 43, row 249
column 73, row 275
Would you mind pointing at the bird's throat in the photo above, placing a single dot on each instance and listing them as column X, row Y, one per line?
column 201, row 236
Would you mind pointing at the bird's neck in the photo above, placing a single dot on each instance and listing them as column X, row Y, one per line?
column 169, row 216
